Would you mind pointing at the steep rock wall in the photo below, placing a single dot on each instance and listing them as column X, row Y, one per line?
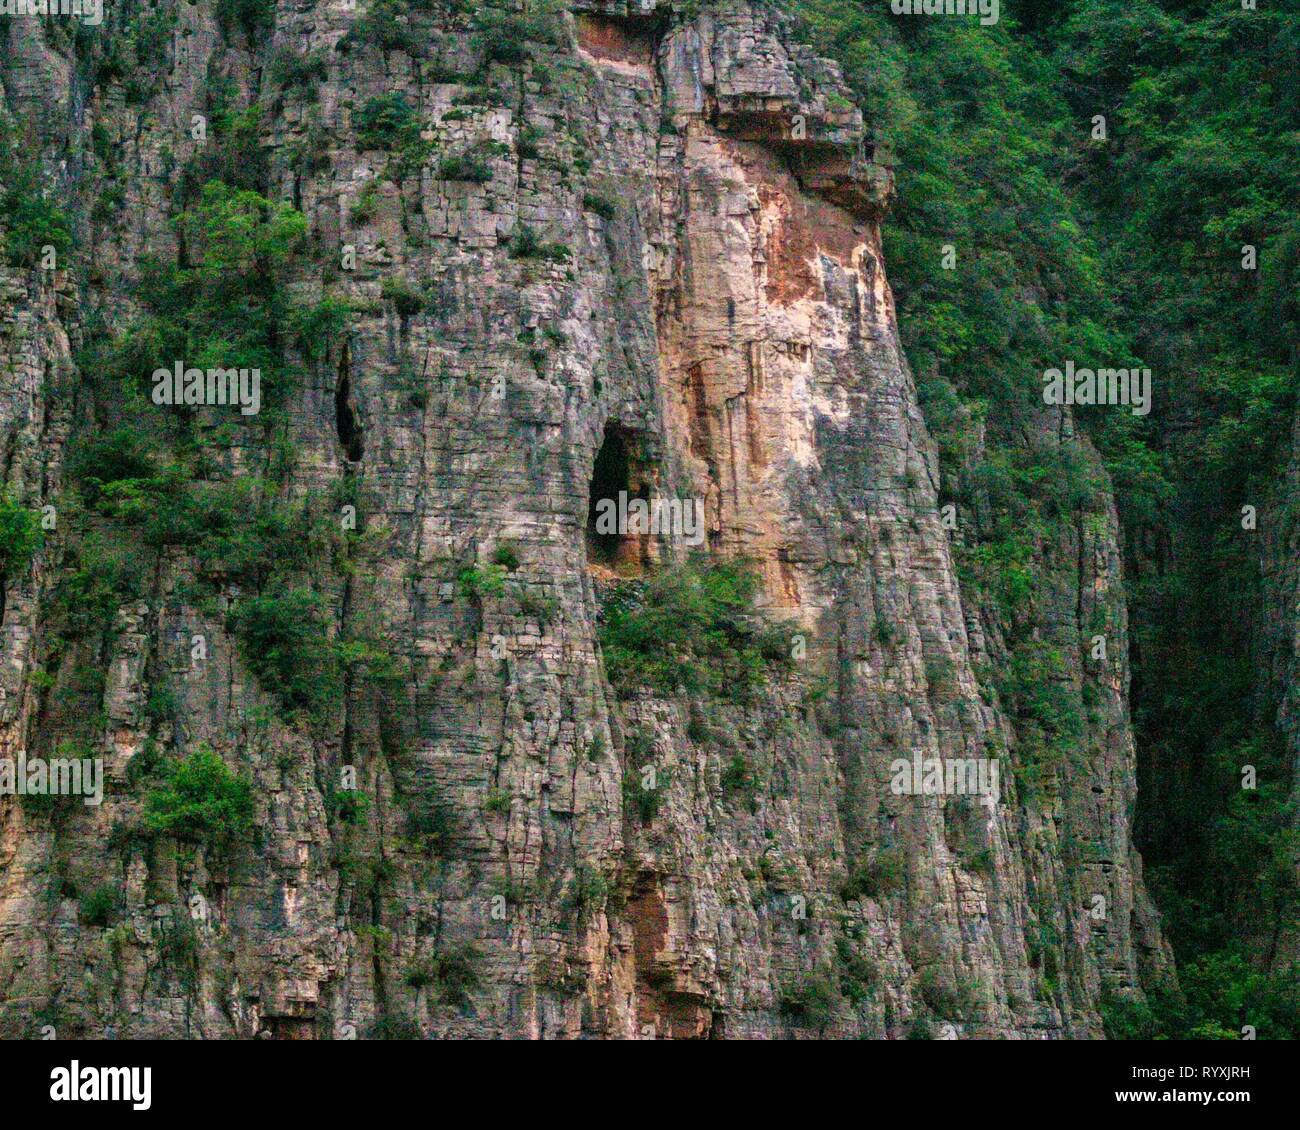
column 722, row 304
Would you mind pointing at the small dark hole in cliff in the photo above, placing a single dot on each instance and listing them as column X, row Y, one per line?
column 615, row 477
column 345, row 421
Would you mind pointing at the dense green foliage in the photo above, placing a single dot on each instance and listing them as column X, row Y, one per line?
column 254, row 18
column 385, row 122
column 200, row 800
column 30, row 220
column 691, row 628
column 811, row 1001
column 99, row 906
column 225, row 303
column 450, row 974
column 20, row 536
column 284, row 644
column 1122, row 249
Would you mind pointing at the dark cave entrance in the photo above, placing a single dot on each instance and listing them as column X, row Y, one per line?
column 616, row 476
column 345, row 421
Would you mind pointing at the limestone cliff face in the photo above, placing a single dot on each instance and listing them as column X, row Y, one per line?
column 720, row 315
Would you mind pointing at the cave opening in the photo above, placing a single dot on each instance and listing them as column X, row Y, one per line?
column 345, row 421
column 615, row 478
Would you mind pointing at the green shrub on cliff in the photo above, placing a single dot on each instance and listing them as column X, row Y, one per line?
column 691, row 628
column 452, row 974
column 503, row 36
column 201, row 799
column 99, row 907
column 283, row 641
column 388, row 25
column 811, row 1001
column 386, row 122
column 255, row 18
column 877, row 877
column 20, row 537
column 29, row 220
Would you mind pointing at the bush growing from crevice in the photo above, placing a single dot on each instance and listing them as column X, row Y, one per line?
column 255, row 18
column 941, row 998
column 643, row 797
column 477, row 582
column 584, row 895
column 858, row 976
column 349, row 805
column 503, row 36
column 921, row 1028
column 601, row 204
column 526, row 245
column 387, row 24
column 811, row 1001
column 737, row 778
column 407, row 299
column 452, row 974
column 470, row 167
column 20, row 537
column 284, row 642
column 293, row 71
column 179, row 948
column 200, row 800
column 644, row 782
column 428, row 821
column 99, row 907
column 883, row 874
column 386, row 122
column 394, row 1026
column 690, row 628
column 29, row 220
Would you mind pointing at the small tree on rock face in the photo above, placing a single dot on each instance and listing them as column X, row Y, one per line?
column 284, row 642
column 31, row 221
column 201, row 800
column 691, row 627
column 19, row 537
column 811, row 1001
column 252, row 17
column 386, row 121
